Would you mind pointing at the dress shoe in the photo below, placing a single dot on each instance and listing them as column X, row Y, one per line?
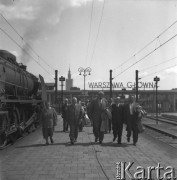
column 51, row 140
column 128, row 139
column 96, row 139
column 100, row 142
column 47, row 143
column 72, row 142
column 119, row 142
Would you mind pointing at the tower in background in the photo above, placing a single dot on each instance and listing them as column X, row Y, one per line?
column 69, row 81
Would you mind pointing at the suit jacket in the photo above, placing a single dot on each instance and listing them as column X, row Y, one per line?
column 64, row 110
column 131, row 120
column 74, row 114
column 117, row 114
column 96, row 108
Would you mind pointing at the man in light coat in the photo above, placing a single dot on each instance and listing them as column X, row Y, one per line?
column 131, row 119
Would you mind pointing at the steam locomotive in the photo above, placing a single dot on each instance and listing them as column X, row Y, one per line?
column 18, row 98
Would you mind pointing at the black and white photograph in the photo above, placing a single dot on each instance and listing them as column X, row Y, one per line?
column 88, row 89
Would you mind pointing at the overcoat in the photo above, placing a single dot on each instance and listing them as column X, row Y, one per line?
column 131, row 120
column 96, row 109
column 73, row 115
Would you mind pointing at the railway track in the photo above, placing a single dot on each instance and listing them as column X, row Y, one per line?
column 164, row 131
column 164, row 120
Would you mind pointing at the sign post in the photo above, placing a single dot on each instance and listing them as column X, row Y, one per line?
column 156, row 79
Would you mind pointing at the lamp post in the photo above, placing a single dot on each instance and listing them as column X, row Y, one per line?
column 85, row 72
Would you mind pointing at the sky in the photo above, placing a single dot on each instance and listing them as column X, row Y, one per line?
column 122, row 35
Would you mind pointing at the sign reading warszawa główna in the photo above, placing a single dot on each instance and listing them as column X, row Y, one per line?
column 121, row 85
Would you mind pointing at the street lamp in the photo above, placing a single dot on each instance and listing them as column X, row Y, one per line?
column 85, row 73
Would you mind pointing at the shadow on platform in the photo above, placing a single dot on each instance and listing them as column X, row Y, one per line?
column 76, row 144
column 115, row 144
column 61, row 131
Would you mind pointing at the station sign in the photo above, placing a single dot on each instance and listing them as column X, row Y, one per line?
column 121, row 85
column 61, row 78
column 156, row 79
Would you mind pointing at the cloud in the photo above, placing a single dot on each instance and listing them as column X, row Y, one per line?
column 37, row 18
column 79, row 3
column 143, row 74
column 15, row 53
column 6, row 2
column 172, row 70
column 17, row 10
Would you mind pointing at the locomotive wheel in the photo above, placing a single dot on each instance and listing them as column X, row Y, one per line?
column 13, row 137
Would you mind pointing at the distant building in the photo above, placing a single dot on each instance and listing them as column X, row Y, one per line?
column 69, row 81
column 74, row 88
column 49, row 86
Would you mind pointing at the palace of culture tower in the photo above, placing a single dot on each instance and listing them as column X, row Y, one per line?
column 69, row 81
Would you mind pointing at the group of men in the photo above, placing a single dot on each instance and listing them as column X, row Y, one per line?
column 101, row 113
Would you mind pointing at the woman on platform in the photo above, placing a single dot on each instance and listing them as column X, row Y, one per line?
column 47, row 123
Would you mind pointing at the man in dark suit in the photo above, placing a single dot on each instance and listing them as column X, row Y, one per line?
column 64, row 110
column 117, row 120
column 74, row 114
column 98, row 106
column 131, row 119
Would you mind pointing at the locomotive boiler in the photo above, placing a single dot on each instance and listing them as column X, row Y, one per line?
column 18, row 98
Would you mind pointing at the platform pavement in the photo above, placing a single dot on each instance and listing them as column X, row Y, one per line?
column 31, row 160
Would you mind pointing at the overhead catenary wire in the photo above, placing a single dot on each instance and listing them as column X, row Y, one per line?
column 159, row 71
column 94, row 47
column 91, row 16
column 25, row 51
column 26, row 42
column 146, row 55
column 157, row 65
column 146, row 45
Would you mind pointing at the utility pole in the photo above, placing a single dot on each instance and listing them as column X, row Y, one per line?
column 62, row 79
column 136, row 73
column 56, row 86
column 156, row 79
column 111, row 83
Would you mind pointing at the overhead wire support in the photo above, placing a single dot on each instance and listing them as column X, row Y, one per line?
column 24, row 50
column 147, row 45
column 147, row 55
column 25, row 42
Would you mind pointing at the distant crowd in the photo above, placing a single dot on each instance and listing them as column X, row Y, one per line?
column 102, row 115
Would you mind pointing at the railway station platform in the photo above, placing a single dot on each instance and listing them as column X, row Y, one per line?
column 30, row 159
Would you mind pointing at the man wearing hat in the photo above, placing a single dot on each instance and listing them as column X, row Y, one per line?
column 98, row 106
